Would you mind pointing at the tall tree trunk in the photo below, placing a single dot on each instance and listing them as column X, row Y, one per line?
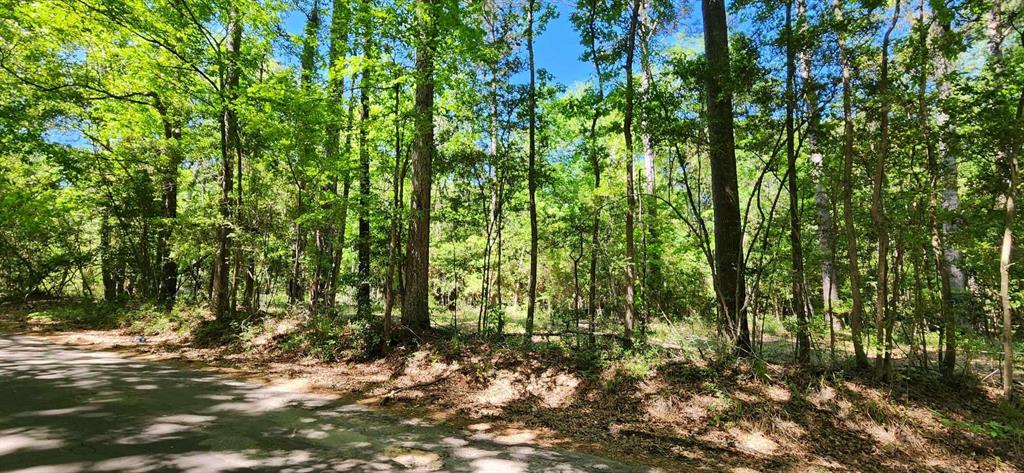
column 823, row 205
column 531, row 306
column 938, row 228
column 595, row 162
column 346, row 188
column 229, row 148
column 169, row 205
column 363, row 244
column 947, row 258
column 857, row 309
column 415, row 310
column 803, row 340
column 877, row 201
column 322, row 288
column 1009, row 149
column 397, row 183
column 1005, row 253
column 654, row 279
column 730, row 285
column 627, row 134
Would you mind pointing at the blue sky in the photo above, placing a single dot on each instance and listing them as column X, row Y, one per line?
column 557, row 49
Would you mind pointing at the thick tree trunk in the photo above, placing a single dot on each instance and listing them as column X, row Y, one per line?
column 941, row 250
column 415, row 310
column 730, row 285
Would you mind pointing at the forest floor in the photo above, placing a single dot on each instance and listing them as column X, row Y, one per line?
column 663, row 411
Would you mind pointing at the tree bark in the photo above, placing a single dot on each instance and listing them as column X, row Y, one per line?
column 397, row 183
column 531, row 306
column 229, row 148
column 627, row 134
column 951, row 278
column 877, row 199
column 415, row 310
column 363, row 288
column 857, row 310
column 169, row 206
column 823, row 205
column 595, row 162
column 321, row 289
column 1009, row 149
column 803, row 341
column 730, row 285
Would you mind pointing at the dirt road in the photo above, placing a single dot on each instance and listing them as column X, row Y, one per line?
column 66, row 410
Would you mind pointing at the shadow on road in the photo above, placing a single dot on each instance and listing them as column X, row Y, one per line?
column 70, row 410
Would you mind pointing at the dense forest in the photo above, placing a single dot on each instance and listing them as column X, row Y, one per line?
column 844, row 171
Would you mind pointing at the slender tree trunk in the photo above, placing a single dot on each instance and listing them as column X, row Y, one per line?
column 803, row 341
column 363, row 289
column 1004, row 261
column 322, row 289
column 627, row 133
column 531, row 306
column 346, row 188
column 826, row 226
column 397, row 182
column 492, row 211
column 595, row 161
column 877, row 199
column 942, row 251
column 857, row 310
column 730, row 285
column 229, row 146
column 415, row 310
column 654, row 279
column 1010, row 146
column 107, row 259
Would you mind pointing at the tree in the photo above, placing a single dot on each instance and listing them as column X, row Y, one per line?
column 230, row 153
column 415, row 309
column 857, row 310
column 532, row 171
column 627, row 134
column 363, row 243
column 730, row 284
column 803, row 340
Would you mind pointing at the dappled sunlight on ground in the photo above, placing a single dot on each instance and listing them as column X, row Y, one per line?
column 71, row 410
column 503, row 408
